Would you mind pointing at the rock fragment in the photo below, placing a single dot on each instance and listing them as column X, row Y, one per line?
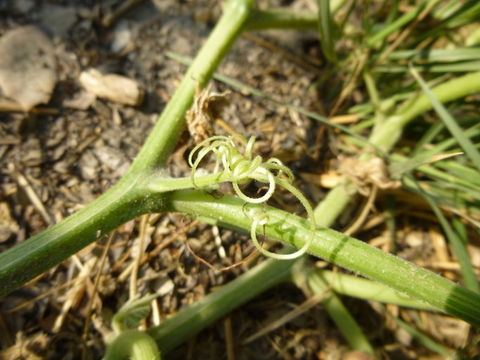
column 27, row 66
column 113, row 87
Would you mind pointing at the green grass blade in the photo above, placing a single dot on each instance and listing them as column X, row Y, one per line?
column 427, row 138
column 437, row 55
column 464, row 66
column 281, row 19
column 340, row 315
column 448, row 143
column 396, row 25
column 423, row 339
column 468, row 13
column 450, row 122
column 457, row 244
column 462, row 15
column 354, row 286
column 326, row 30
column 461, row 171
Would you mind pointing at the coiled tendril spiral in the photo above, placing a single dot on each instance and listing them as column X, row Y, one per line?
column 241, row 167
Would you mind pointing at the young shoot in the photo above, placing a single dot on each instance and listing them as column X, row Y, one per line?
column 240, row 167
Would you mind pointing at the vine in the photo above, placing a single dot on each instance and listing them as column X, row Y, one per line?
column 241, row 167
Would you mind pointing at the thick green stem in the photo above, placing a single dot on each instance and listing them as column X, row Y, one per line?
column 189, row 321
column 50, row 247
column 360, row 288
column 127, row 199
column 341, row 250
column 162, row 184
column 386, row 135
column 281, row 19
column 161, row 141
column 133, row 345
column 334, row 204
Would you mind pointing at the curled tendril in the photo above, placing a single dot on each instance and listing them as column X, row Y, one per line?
column 241, row 167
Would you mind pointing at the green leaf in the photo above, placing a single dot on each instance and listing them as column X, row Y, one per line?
column 459, row 248
column 131, row 313
column 457, row 132
column 397, row 169
column 326, row 30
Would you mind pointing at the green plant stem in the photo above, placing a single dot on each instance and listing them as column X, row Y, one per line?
column 134, row 345
column 327, row 211
column 128, row 199
column 340, row 315
column 326, row 30
column 162, row 184
column 387, row 134
column 459, row 248
column 342, row 250
column 360, row 288
column 281, row 18
column 168, row 128
column 174, row 331
column 450, row 123
column 50, row 247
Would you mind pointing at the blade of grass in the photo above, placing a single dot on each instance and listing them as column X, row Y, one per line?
column 459, row 183
column 461, row 171
column 427, row 138
column 388, row 134
column 354, row 286
column 423, row 339
column 452, row 181
column 467, row 13
column 457, row 244
column 452, row 199
column 437, row 55
column 449, row 142
column 281, row 19
column 464, row 66
column 340, row 315
column 326, row 30
column 396, row 25
column 449, row 122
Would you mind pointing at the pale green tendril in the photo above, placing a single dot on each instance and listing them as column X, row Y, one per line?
column 241, row 167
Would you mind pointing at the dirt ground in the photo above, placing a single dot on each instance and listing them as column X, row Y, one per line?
column 62, row 155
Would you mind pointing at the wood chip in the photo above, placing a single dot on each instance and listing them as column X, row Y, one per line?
column 113, row 87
